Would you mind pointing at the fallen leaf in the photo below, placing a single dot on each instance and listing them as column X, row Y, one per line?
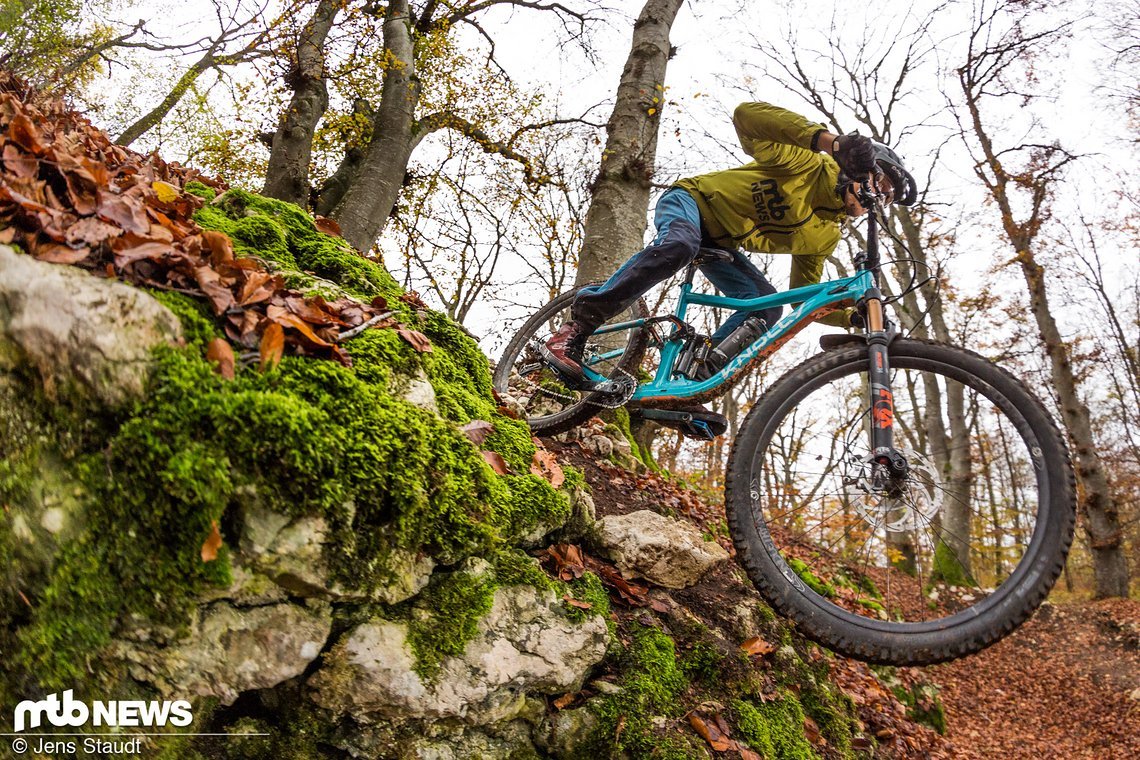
column 126, row 212
column 327, row 226
column 212, row 543
column 412, row 298
column 747, row 754
column 568, row 561
column 576, row 602
column 506, row 411
column 711, row 733
column 166, row 192
column 221, row 354
column 545, row 465
column 54, row 253
column 564, row 700
column 757, row 646
column 272, row 346
column 658, row 605
column 811, row 732
column 220, row 245
column 478, row 430
column 417, row 339
column 498, row 464
column 91, row 231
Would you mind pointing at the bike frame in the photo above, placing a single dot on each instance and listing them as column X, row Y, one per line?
column 822, row 297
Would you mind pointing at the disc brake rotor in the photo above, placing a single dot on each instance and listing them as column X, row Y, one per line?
column 899, row 510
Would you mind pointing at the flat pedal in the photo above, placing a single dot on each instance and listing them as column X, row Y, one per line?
column 703, row 426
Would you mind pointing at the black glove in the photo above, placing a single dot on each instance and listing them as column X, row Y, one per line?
column 855, row 155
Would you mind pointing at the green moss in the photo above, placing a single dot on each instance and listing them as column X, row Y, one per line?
column 923, row 704
column 833, row 712
column 202, row 191
column 621, row 422
column 651, row 685
column 513, row 567
column 279, row 231
column 198, row 326
column 776, row 728
column 447, row 615
column 868, row 585
column 813, row 581
column 948, row 568
column 589, row 589
column 871, row 604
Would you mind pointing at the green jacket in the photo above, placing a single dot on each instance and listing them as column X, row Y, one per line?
column 783, row 201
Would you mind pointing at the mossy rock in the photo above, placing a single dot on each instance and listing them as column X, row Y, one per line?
column 309, row 438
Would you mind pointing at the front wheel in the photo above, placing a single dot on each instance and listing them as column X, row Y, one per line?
column 939, row 566
column 549, row 405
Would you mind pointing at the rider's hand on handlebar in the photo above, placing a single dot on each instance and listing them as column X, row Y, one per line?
column 855, row 155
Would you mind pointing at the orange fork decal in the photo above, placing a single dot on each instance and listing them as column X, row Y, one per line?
column 884, row 410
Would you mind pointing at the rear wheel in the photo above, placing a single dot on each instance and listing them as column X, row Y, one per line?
column 943, row 564
column 551, row 407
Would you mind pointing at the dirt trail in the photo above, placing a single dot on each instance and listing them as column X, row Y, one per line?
column 1066, row 685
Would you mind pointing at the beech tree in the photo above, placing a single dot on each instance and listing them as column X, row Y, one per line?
column 616, row 219
column 1021, row 180
column 415, row 40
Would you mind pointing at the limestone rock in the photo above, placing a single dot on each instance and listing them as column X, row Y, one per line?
column 668, row 552
column 418, row 391
column 582, row 516
column 83, row 335
column 290, row 550
column 525, row 644
column 568, row 729
column 232, row 649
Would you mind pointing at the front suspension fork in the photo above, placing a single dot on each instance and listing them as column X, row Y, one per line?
column 882, row 400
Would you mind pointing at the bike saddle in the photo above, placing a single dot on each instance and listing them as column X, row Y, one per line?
column 703, row 426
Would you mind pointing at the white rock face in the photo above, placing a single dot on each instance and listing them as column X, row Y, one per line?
column 232, row 649
column 524, row 644
column 290, row 550
column 668, row 552
column 82, row 334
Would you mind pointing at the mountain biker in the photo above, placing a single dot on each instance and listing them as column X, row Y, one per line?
column 790, row 198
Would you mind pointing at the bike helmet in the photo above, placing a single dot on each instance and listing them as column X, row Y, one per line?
column 906, row 189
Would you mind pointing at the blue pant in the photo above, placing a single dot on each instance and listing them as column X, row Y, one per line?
column 679, row 237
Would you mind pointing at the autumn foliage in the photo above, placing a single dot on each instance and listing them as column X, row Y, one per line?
column 68, row 195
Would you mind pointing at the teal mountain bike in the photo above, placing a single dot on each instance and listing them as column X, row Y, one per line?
column 903, row 501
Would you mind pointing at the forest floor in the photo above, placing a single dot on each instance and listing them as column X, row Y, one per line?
column 1064, row 685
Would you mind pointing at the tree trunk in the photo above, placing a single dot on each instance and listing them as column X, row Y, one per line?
column 287, row 176
column 615, row 222
column 1097, row 505
column 1096, row 502
column 367, row 203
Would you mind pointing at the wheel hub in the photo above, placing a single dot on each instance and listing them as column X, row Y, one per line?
column 896, row 506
